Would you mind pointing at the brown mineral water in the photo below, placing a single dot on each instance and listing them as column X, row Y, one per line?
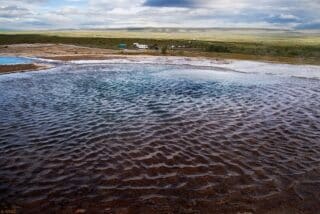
column 147, row 138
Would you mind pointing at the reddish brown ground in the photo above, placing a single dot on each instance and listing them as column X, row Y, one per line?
column 19, row 68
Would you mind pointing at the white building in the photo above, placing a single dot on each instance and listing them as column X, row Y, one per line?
column 140, row 46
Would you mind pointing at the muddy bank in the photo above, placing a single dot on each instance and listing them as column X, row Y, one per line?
column 20, row 68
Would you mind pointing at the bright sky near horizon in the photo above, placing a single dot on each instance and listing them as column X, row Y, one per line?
column 83, row 14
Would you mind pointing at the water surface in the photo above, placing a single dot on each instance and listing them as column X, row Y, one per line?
column 9, row 60
column 158, row 139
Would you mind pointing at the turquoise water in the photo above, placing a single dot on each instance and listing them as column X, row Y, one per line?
column 9, row 60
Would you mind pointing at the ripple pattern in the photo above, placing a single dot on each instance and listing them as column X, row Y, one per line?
column 158, row 139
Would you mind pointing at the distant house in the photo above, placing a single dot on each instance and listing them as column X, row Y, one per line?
column 140, row 46
column 122, row 46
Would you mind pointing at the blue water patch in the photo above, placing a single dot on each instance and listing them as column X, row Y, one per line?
column 9, row 60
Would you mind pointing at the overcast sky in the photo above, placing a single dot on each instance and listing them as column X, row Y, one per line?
column 78, row 14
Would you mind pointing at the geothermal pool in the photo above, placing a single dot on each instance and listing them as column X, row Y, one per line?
column 160, row 138
column 9, row 60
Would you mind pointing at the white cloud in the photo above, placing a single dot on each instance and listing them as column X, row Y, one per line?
column 35, row 14
column 288, row 16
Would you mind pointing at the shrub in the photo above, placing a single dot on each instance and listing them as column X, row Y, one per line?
column 164, row 50
column 217, row 48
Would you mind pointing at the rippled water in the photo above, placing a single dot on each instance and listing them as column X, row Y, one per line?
column 121, row 138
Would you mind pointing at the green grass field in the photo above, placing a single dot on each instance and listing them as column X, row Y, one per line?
column 275, row 45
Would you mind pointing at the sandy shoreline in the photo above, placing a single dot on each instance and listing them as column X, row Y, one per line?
column 62, row 52
column 44, row 53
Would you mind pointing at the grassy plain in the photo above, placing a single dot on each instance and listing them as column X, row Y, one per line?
column 273, row 45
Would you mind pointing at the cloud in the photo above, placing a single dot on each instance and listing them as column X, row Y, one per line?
column 309, row 26
column 13, row 11
column 215, row 4
column 111, row 4
column 171, row 3
column 283, row 18
column 50, row 14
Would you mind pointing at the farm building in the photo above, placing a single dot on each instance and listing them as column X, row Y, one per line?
column 140, row 46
